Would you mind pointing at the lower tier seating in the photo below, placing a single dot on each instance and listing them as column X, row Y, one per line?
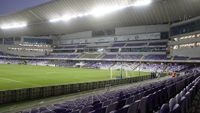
column 183, row 101
column 144, row 99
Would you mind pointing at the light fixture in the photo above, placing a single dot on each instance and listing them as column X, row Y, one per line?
column 142, row 3
column 14, row 25
column 66, row 18
column 100, row 11
column 54, row 20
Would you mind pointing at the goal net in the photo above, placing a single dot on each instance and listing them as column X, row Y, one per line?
column 119, row 71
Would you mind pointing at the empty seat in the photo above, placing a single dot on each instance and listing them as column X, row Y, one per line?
column 34, row 110
column 123, row 110
column 95, row 102
column 61, row 110
column 75, row 111
column 47, row 111
column 172, row 102
column 43, row 109
column 111, row 107
column 182, row 104
column 100, row 110
column 176, row 109
column 87, row 109
column 164, row 108
column 188, row 102
column 156, row 101
column 143, row 105
column 97, row 106
column 106, row 103
column 150, row 103
column 133, row 108
column 121, row 103
column 178, row 98
column 130, row 100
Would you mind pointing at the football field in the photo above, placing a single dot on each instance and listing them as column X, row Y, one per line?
column 26, row 76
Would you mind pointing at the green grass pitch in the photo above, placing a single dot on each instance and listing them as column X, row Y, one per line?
column 26, row 76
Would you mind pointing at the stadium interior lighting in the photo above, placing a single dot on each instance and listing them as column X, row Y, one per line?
column 101, row 10
column 66, row 18
column 142, row 3
column 54, row 20
column 12, row 26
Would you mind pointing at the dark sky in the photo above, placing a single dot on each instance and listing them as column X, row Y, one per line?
column 12, row 6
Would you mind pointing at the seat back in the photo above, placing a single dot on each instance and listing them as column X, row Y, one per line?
column 87, row 109
column 183, row 104
column 97, row 106
column 100, row 110
column 143, row 105
column 123, row 110
column 130, row 100
column 164, row 108
column 172, row 102
column 176, row 109
column 111, row 107
column 121, row 103
column 133, row 108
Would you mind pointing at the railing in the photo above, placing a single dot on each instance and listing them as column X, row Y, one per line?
column 10, row 96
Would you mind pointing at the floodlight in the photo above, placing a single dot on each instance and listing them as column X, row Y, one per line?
column 101, row 10
column 54, row 20
column 142, row 3
column 66, row 18
column 15, row 25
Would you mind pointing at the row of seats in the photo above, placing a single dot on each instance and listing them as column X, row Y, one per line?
column 144, row 99
column 182, row 102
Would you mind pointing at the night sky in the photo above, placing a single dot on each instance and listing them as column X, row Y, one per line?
column 12, row 6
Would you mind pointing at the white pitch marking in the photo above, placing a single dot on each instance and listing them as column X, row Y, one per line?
column 17, row 81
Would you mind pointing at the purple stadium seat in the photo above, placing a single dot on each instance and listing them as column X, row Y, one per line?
column 101, row 110
column 122, row 110
column 176, row 109
column 111, row 107
column 165, row 109
column 133, row 108
column 87, row 109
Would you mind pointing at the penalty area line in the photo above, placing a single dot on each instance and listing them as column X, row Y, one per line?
column 18, row 81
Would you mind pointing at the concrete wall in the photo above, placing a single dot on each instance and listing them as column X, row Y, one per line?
column 85, row 34
column 111, row 38
column 141, row 29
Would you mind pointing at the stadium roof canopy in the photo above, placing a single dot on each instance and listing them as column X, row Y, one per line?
column 69, row 16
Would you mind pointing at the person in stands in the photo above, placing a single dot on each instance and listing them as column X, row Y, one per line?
column 173, row 74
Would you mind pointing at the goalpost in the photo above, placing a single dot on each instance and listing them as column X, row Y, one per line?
column 124, row 71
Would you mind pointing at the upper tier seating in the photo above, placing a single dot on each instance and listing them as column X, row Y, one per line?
column 155, row 57
column 135, row 44
column 87, row 55
column 195, row 58
column 110, row 56
column 63, row 56
column 130, row 56
column 70, row 46
column 67, row 47
column 157, row 43
column 6, row 54
column 118, row 44
column 180, row 58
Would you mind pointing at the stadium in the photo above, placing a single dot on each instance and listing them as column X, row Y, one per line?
column 99, row 56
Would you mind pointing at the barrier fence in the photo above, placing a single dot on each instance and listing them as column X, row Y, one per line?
column 10, row 96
